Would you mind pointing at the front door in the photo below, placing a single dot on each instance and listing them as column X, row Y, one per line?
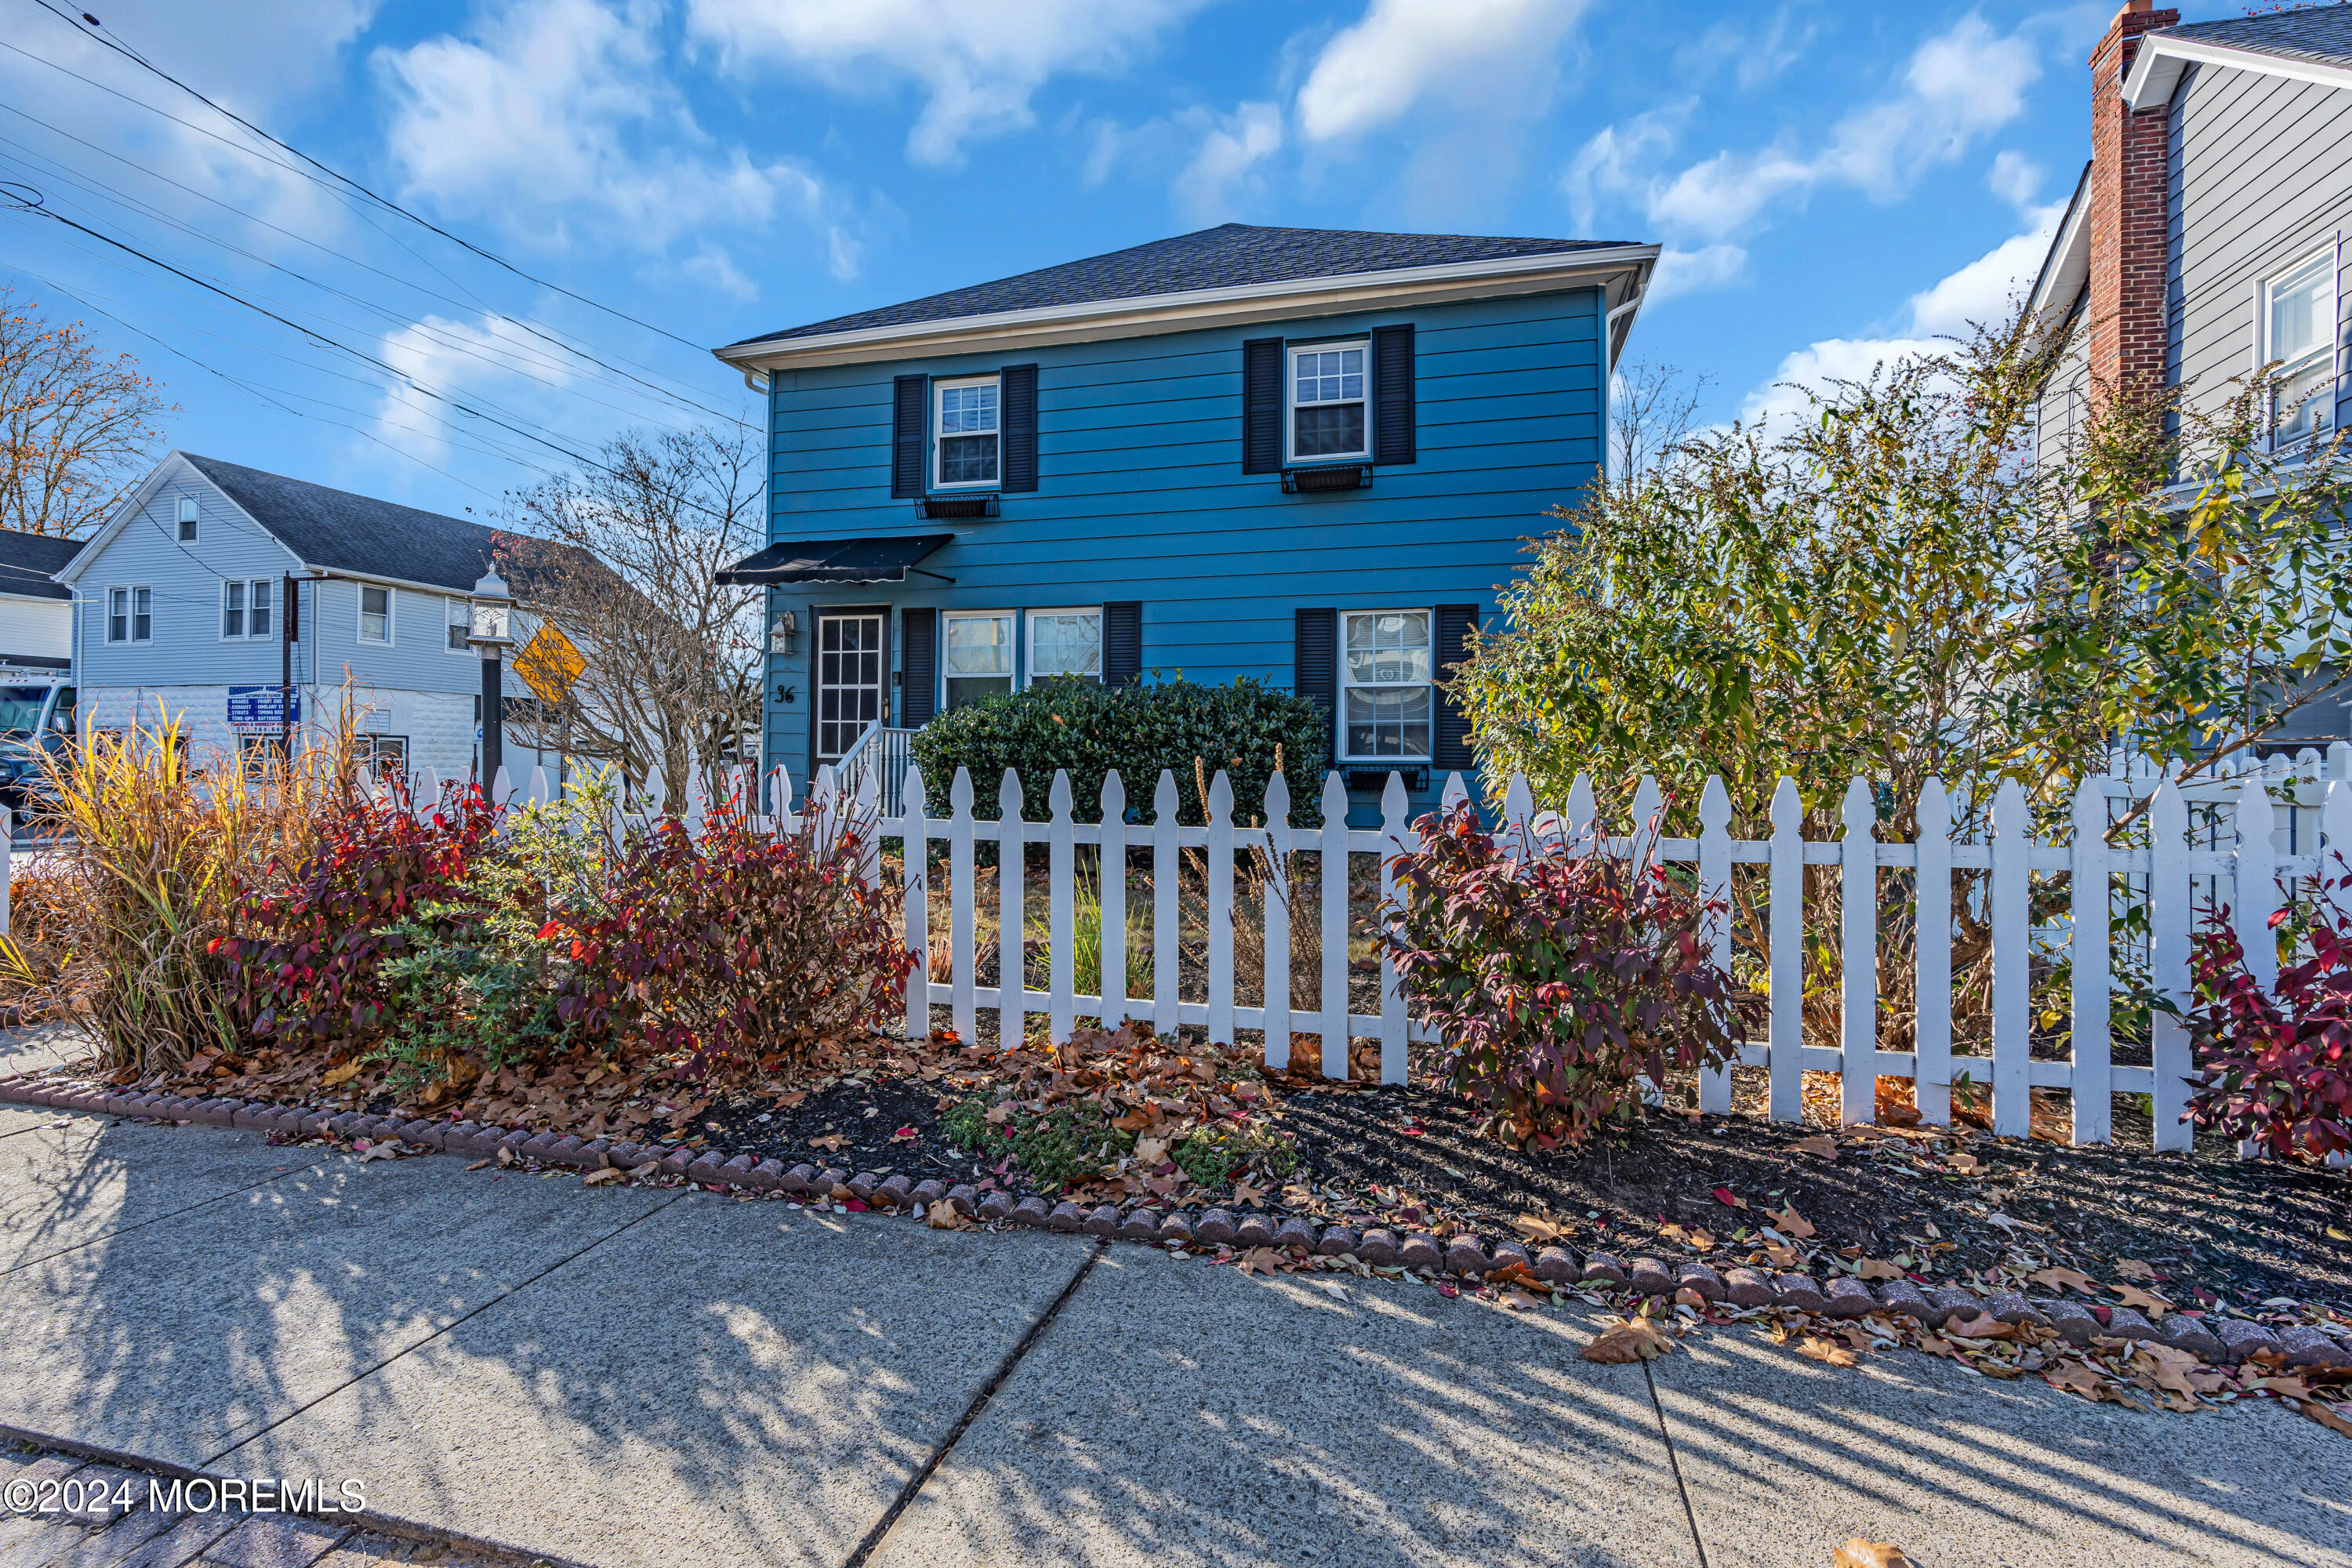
column 848, row 679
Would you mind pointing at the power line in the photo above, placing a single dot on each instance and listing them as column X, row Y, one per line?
column 491, row 256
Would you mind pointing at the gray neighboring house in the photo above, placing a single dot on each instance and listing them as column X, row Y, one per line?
column 35, row 609
column 181, row 607
column 2207, row 237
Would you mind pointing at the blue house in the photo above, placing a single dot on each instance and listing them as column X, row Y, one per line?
column 1309, row 455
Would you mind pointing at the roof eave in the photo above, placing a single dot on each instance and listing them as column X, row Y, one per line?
column 1135, row 317
column 2163, row 60
column 2067, row 265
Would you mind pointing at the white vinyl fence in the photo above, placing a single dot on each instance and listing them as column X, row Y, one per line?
column 2246, row 841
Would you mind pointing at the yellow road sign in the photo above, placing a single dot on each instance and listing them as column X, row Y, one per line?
column 549, row 664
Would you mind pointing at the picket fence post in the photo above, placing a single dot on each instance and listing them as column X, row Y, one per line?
column 1167, row 932
column 1110, row 877
column 1060, row 928
column 915, row 858
column 1332, row 873
column 2093, row 1082
column 1394, row 841
column 1931, row 1030
column 1012, row 917
column 1858, row 955
column 2171, row 919
column 1787, row 1041
column 1274, row 989
column 1220, row 805
column 2012, row 936
column 1714, row 889
column 963, row 910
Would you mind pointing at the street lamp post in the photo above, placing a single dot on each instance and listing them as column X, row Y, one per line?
column 490, row 632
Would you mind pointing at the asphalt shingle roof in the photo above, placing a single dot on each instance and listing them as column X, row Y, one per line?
column 27, row 560
column 2322, row 35
column 345, row 533
column 1230, row 256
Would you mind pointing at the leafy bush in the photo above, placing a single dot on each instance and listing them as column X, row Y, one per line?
column 736, row 948
column 1555, row 981
column 2275, row 1066
column 1211, row 1154
column 1089, row 728
column 382, row 883
column 1065, row 1144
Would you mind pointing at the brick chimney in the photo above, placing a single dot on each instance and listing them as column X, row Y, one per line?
column 2125, row 220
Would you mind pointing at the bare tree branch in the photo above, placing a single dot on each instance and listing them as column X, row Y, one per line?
column 75, row 431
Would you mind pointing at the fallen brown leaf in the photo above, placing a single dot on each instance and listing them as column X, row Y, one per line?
column 830, row 1142
column 1635, row 1339
column 2071, row 1376
column 1244, row 1193
column 1979, row 1326
column 2133, row 1296
column 1876, row 1269
column 942, row 1215
column 2323, row 1415
column 334, row 1077
column 2066, row 1278
column 1516, row 1300
column 505, row 1155
column 1830, row 1351
column 1965, row 1165
column 1826, row 1147
column 1537, row 1227
column 1860, row 1553
column 1261, row 1259
column 477, row 1164
column 1789, row 1222
column 2133, row 1269
column 604, row 1178
column 1686, row 1296
column 2169, row 1367
column 1784, row 1256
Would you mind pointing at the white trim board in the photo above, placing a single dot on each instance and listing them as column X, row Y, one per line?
column 2163, row 60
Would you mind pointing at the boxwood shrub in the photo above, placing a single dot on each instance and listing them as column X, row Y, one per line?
column 1090, row 728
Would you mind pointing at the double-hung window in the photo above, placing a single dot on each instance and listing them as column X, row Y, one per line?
column 1066, row 642
column 459, row 614
column 2298, row 332
column 1385, row 673
column 375, row 613
column 187, row 520
column 130, row 614
column 246, row 608
column 979, row 655
column 1326, row 401
column 969, row 438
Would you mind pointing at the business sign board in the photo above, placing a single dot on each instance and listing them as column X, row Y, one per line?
column 263, row 707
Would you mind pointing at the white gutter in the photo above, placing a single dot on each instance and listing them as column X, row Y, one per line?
column 2162, row 60
column 1137, row 316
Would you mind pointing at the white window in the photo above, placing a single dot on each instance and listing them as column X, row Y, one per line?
column 375, row 613
column 2298, row 334
column 460, row 612
column 1326, row 401
column 980, row 656
column 131, row 614
column 1384, row 677
column 967, row 444
column 1066, row 642
column 187, row 520
column 246, row 606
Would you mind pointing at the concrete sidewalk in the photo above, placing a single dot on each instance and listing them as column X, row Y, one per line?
column 641, row 1378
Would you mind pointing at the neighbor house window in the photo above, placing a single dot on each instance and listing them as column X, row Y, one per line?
column 2298, row 329
column 187, row 520
column 1326, row 401
column 967, row 433
column 980, row 656
column 1065, row 642
column 375, row 613
column 130, row 614
column 1385, row 674
column 387, row 755
column 460, row 615
column 246, row 606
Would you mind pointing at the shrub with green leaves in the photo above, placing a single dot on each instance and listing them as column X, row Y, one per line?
column 1212, row 1155
column 1089, row 728
column 1067, row 1143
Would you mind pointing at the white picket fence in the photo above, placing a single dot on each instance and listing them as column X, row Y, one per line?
column 2246, row 841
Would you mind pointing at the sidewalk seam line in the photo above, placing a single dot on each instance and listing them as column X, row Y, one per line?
column 1673, row 1462
column 511, row 1291
column 1012, row 1358
column 158, row 1219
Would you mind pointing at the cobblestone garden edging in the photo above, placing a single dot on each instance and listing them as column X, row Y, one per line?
column 2222, row 1341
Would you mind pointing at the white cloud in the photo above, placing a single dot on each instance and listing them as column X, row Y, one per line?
column 1755, row 54
column 462, row 359
column 2014, row 178
column 1475, row 54
column 559, row 113
column 1224, row 165
column 979, row 63
column 1957, row 87
column 1614, row 162
column 1694, row 271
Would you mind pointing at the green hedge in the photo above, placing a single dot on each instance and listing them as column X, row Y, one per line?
column 1139, row 730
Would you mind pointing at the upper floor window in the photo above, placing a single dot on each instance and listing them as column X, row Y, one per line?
column 131, row 614
column 246, row 608
column 375, row 613
column 1066, row 642
column 2298, row 331
column 969, row 436
column 460, row 616
column 187, row 520
column 1326, row 401
column 1385, row 670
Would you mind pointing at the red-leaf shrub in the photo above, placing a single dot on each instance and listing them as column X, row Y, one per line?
column 2276, row 1066
column 313, row 972
column 1555, row 983
column 736, row 948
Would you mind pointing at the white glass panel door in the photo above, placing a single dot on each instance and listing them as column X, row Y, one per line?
column 849, row 680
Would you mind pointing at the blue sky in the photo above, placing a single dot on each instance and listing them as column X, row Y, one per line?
column 1830, row 179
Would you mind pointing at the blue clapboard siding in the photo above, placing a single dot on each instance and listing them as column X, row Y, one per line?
column 1141, row 495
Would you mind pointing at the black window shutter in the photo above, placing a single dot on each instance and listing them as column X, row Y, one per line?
column 909, row 424
column 1315, row 658
column 919, row 643
column 1018, row 395
column 1453, row 625
column 1394, row 438
column 1262, row 406
column 1122, row 635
